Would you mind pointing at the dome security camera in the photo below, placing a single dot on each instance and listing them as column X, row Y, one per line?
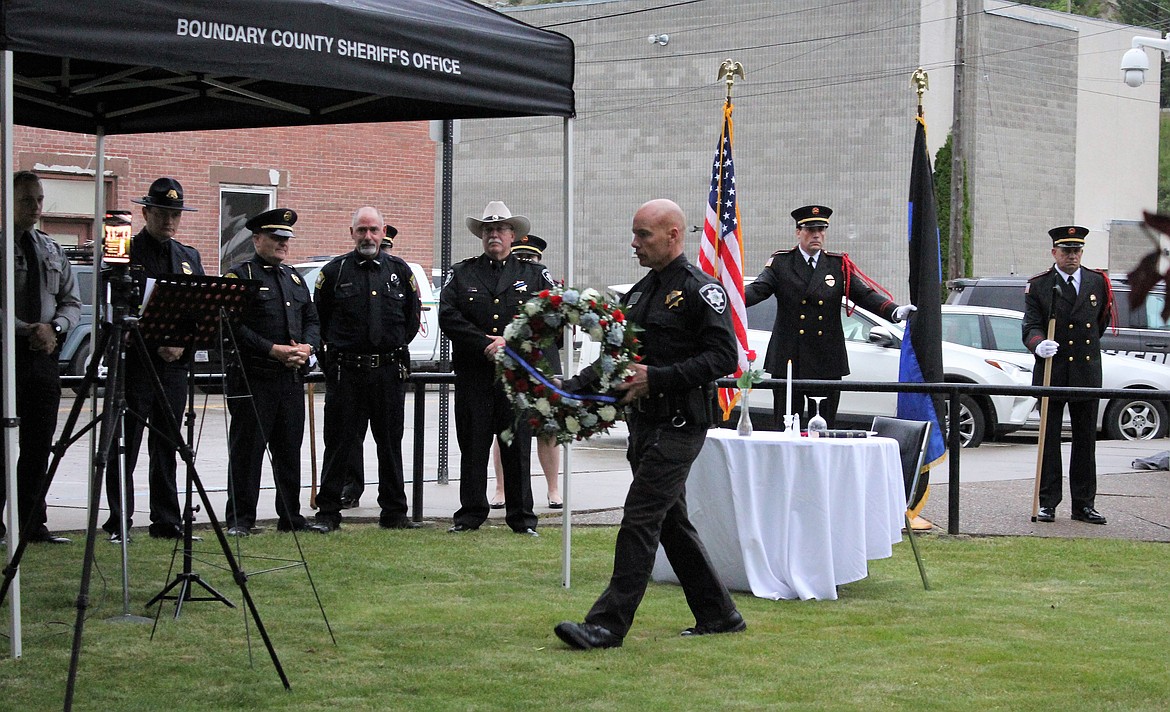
column 1134, row 65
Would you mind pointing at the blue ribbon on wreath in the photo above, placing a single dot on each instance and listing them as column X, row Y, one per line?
column 540, row 377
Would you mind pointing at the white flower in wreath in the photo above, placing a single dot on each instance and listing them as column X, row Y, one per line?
column 590, row 295
column 607, row 412
column 572, row 425
column 533, row 308
column 542, row 406
column 597, row 334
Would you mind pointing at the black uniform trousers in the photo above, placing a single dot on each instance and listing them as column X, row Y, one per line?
column 805, row 410
column 38, row 396
column 482, row 412
column 1082, row 468
column 355, row 396
column 660, row 456
column 165, row 516
column 273, row 419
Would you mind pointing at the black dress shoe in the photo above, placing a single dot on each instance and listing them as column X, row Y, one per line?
column 460, row 528
column 49, row 538
column 496, row 505
column 302, row 527
column 239, row 531
column 350, row 502
column 325, row 526
column 528, row 531
column 734, row 623
column 164, row 531
column 586, row 636
column 399, row 523
column 116, row 538
column 1088, row 514
column 1046, row 514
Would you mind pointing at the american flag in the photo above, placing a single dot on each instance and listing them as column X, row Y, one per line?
column 721, row 251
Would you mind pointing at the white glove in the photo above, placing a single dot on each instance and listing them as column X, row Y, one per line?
column 1046, row 348
column 902, row 312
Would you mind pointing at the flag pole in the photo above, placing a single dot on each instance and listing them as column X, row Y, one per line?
column 921, row 82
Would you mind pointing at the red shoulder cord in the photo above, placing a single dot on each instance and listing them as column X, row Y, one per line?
column 850, row 267
column 1110, row 301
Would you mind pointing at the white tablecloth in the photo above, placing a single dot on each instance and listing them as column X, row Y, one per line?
column 793, row 518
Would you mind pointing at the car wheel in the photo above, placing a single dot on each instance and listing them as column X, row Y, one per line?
column 1137, row 419
column 972, row 423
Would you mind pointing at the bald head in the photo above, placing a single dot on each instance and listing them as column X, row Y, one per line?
column 659, row 226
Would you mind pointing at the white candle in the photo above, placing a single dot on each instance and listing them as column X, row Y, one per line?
column 788, row 401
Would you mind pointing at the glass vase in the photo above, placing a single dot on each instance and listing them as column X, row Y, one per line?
column 745, row 415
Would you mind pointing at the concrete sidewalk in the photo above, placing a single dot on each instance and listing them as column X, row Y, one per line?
column 995, row 495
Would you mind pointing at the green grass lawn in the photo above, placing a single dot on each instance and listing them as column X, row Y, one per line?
column 429, row 621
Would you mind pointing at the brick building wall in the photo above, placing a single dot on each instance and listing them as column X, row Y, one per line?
column 322, row 172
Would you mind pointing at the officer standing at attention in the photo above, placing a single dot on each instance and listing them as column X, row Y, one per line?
column 276, row 335
column 480, row 297
column 154, row 253
column 1082, row 311
column 370, row 310
column 808, row 284
column 688, row 342
column 355, row 478
column 46, row 306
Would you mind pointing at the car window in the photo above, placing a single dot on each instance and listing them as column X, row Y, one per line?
column 762, row 315
column 962, row 329
column 1007, row 333
column 855, row 327
column 1154, row 305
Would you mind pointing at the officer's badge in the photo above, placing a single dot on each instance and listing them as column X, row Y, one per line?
column 231, row 275
column 634, row 298
column 320, row 279
column 187, row 267
column 715, row 297
column 393, row 278
column 288, row 218
column 173, row 194
column 295, row 278
column 674, row 299
column 830, row 280
column 1093, row 299
column 520, row 285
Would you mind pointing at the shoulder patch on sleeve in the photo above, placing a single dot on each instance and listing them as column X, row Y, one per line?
column 715, row 297
column 320, row 279
column 447, row 280
column 547, row 277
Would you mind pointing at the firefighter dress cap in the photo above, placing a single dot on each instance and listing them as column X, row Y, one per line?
column 164, row 193
column 530, row 243
column 1068, row 236
column 277, row 223
column 812, row 216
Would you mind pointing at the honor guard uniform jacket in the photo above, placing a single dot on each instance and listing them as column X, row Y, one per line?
column 1079, row 325
column 807, row 329
column 480, row 298
column 367, row 306
column 281, row 313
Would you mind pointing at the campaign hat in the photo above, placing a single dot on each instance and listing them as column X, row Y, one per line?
column 164, row 193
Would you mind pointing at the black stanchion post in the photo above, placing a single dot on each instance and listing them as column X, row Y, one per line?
column 954, row 445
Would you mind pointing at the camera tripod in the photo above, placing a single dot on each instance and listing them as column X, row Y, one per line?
column 112, row 341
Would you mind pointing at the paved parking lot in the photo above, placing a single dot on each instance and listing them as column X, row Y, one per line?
column 995, row 494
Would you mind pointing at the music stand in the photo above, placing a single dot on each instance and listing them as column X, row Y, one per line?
column 185, row 310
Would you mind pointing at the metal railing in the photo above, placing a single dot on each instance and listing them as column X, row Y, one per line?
column 952, row 391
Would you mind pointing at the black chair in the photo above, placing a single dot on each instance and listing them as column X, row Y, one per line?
column 912, row 436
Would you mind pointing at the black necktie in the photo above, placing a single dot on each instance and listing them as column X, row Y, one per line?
column 1070, row 291
column 30, row 300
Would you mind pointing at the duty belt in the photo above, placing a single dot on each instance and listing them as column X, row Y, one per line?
column 369, row 360
column 680, row 408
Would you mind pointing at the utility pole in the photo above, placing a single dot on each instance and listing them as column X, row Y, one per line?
column 954, row 257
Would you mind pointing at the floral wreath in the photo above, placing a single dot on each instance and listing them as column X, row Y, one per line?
column 523, row 366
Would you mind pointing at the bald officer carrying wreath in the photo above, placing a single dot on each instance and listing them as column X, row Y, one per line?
column 808, row 284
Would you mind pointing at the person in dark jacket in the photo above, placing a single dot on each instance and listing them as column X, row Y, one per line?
column 46, row 306
column 809, row 284
column 480, row 297
column 1081, row 303
column 277, row 334
column 370, row 310
column 688, row 342
column 154, row 253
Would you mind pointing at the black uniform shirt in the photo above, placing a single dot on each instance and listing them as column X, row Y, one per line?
column 282, row 312
column 367, row 306
column 151, row 259
column 689, row 340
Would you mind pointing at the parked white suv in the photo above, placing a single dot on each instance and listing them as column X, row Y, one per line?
column 424, row 349
column 998, row 332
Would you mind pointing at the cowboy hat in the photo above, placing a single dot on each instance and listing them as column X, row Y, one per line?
column 497, row 212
